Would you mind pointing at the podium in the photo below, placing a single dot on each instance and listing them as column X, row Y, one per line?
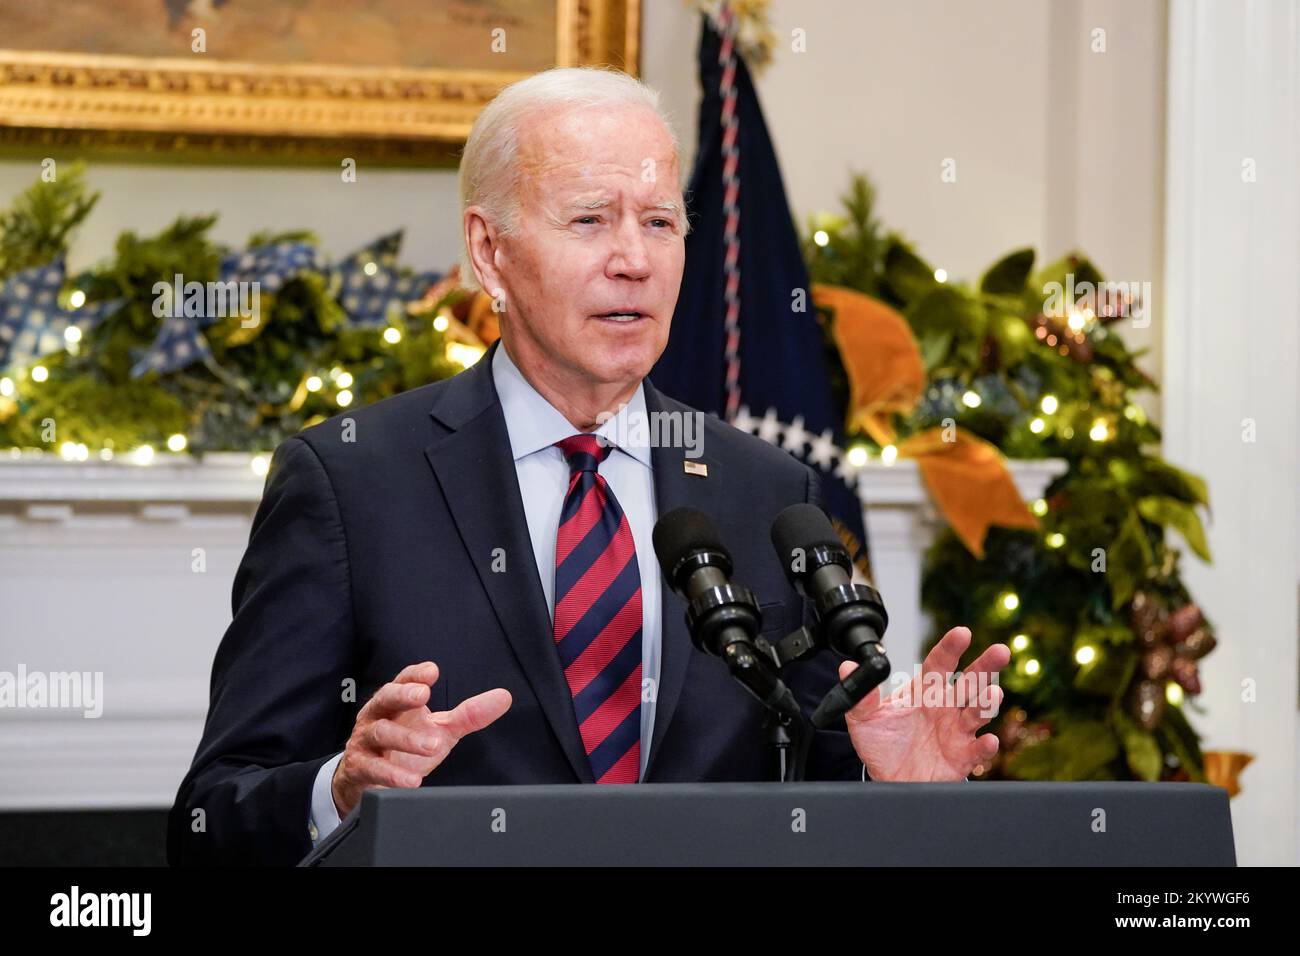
column 787, row 824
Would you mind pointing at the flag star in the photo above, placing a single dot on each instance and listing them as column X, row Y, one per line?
column 823, row 451
column 743, row 420
column 847, row 471
column 769, row 429
column 795, row 436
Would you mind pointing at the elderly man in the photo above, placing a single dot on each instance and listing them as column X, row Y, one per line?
column 456, row 585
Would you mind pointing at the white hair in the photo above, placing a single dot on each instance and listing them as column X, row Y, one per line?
column 489, row 172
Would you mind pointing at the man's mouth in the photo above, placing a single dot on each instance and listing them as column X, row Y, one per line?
column 629, row 315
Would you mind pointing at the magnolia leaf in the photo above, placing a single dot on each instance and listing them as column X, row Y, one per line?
column 907, row 273
column 1141, row 749
column 1009, row 274
column 1181, row 517
column 1076, row 752
column 1128, row 559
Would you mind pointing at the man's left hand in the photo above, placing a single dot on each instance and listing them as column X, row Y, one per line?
column 926, row 729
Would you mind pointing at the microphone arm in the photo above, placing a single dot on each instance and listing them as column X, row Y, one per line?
column 850, row 617
column 853, row 618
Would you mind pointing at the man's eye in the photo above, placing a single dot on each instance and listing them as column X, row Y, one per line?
column 663, row 222
column 585, row 220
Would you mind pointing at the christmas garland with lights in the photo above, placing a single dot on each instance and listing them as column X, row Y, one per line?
column 1105, row 637
column 130, row 357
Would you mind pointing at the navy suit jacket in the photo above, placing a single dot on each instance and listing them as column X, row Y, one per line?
column 373, row 553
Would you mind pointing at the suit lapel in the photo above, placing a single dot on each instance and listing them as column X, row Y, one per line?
column 475, row 469
column 674, row 488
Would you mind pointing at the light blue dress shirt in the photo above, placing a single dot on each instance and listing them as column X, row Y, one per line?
column 534, row 426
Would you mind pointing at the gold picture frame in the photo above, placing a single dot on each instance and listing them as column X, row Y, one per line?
column 200, row 109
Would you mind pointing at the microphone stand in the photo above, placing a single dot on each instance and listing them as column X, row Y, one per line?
column 789, row 739
column 730, row 610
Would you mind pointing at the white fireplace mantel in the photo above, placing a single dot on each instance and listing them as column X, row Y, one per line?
column 126, row 570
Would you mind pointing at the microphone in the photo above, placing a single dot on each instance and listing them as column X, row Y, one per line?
column 722, row 617
column 851, row 616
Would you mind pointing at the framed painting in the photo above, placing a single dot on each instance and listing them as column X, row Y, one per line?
column 393, row 80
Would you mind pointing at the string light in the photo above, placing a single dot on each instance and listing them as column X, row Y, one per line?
column 889, row 454
column 344, row 398
column 1039, row 507
column 1037, row 425
column 970, row 399
column 176, row 443
column 940, row 275
column 1055, row 539
column 72, row 335
column 1011, row 600
column 260, row 465
column 857, row 455
column 74, row 451
column 344, row 380
column 76, row 299
column 1049, row 404
column 392, row 335
column 1020, row 642
column 39, row 373
column 440, row 323
column 1174, row 694
column 314, row 383
column 820, row 237
column 1086, row 654
column 1032, row 666
column 370, row 268
column 143, row 455
column 6, row 387
column 1100, row 431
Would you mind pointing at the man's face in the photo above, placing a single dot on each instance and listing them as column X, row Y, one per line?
column 600, row 231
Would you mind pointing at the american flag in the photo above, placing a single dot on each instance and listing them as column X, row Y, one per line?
column 745, row 343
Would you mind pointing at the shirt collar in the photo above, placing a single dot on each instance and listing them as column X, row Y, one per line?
column 534, row 424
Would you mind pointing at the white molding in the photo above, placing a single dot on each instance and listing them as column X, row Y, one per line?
column 218, row 477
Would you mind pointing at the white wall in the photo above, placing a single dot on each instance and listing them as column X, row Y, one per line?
column 1233, row 337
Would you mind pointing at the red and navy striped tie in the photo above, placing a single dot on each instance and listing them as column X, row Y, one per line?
column 598, row 615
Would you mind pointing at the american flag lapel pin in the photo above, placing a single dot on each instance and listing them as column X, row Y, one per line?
column 695, row 468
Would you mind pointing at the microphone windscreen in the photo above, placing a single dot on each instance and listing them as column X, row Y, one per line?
column 681, row 532
column 802, row 526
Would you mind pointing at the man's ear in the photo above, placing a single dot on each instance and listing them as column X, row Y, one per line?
column 481, row 240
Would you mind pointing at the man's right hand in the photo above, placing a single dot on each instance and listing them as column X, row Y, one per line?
column 397, row 741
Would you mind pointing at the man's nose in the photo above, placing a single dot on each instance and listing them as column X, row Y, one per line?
column 630, row 260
